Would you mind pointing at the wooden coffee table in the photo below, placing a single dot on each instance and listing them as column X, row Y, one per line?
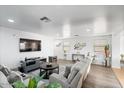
column 48, row 70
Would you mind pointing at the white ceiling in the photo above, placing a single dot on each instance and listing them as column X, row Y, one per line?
column 80, row 17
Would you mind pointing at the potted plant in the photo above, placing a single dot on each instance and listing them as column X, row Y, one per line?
column 106, row 54
column 107, row 50
column 33, row 82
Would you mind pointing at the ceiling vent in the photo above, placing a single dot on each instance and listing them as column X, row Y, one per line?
column 45, row 19
column 76, row 35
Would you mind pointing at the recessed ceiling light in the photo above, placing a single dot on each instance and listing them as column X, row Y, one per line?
column 11, row 20
column 88, row 30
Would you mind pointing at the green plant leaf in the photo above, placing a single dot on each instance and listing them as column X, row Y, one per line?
column 19, row 84
column 107, row 47
column 38, row 78
column 54, row 85
column 32, row 83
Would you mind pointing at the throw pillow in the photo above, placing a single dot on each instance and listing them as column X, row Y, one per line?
column 13, row 78
column 67, row 71
column 72, row 75
column 5, row 71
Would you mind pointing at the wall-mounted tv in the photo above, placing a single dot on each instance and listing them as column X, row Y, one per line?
column 28, row 45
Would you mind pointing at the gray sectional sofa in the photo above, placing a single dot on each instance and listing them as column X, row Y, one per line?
column 78, row 73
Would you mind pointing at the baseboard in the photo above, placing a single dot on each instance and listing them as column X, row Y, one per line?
column 116, row 67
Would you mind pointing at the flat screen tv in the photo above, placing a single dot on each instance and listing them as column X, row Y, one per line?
column 28, row 45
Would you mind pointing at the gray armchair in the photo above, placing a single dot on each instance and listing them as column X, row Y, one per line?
column 78, row 74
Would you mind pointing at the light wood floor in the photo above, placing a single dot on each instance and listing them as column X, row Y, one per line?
column 120, row 75
column 98, row 77
column 101, row 77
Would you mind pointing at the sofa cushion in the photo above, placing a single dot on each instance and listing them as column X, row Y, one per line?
column 76, row 79
column 5, row 70
column 13, row 77
column 3, row 81
column 78, row 65
column 59, row 78
column 30, row 62
column 72, row 75
column 67, row 71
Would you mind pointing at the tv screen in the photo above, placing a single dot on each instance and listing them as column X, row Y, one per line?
column 28, row 45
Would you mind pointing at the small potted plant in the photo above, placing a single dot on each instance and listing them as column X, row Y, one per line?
column 106, row 54
column 107, row 50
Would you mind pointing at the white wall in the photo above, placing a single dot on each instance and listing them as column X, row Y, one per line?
column 116, row 50
column 0, row 44
column 117, row 40
column 9, row 43
column 58, row 51
column 122, row 43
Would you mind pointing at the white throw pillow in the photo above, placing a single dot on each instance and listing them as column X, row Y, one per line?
column 3, row 81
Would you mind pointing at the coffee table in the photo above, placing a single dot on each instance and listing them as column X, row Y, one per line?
column 48, row 70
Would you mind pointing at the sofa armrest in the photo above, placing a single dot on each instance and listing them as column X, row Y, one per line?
column 23, row 64
column 59, row 79
column 17, row 74
column 14, row 76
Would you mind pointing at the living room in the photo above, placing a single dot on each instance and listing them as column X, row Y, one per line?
column 49, row 40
